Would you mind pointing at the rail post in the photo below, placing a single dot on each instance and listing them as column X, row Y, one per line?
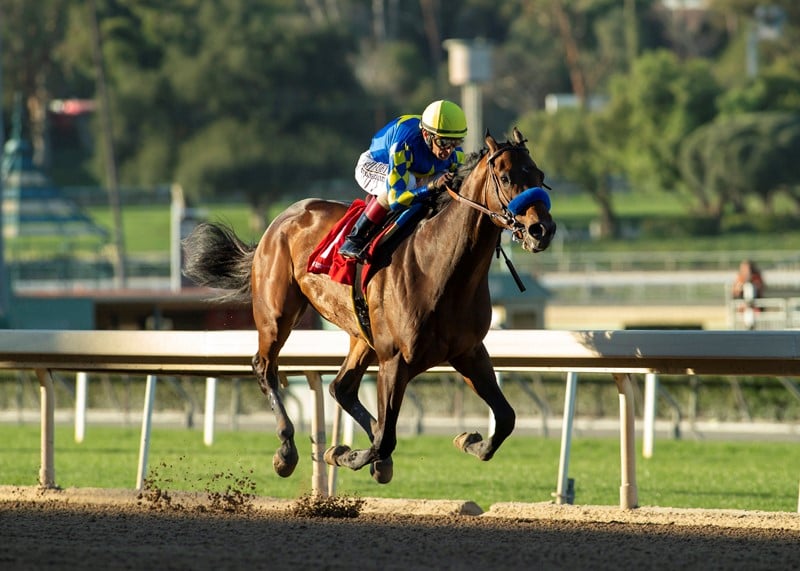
column 210, row 411
column 319, row 479
column 81, row 387
column 566, row 438
column 47, row 473
column 628, row 494
column 147, row 423
column 650, row 391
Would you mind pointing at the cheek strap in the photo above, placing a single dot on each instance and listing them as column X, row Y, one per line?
column 526, row 198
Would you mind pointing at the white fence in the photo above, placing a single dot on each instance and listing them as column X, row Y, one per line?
column 765, row 313
column 312, row 353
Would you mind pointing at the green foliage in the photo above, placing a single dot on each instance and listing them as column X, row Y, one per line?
column 567, row 145
column 679, row 227
column 768, row 224
column 30, row 32
column 660, row 218
column 570, row 145
column 682, row 474
column 391, row 72
column 745, row 8
column 770, row 91
column 561, row 47
column 269, row 97
column 653, row 109
column 663, row 223
column 236, row 96
column 742, row 155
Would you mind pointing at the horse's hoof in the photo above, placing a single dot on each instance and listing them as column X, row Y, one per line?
column 465, row 439
column 284, row 464
column 332, row 453
column 382, row 470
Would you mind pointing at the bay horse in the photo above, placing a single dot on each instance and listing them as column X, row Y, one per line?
column 429, row 306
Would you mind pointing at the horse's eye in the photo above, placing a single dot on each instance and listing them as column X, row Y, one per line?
column 505, row 179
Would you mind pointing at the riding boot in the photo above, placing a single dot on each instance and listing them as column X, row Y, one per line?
column 356, row 243
column 366, row 227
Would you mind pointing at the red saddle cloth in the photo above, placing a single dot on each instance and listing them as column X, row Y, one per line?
column 325, row 259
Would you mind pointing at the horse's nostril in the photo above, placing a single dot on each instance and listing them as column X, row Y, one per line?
column 536, row 230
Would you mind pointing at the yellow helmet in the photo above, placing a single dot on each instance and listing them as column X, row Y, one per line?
column 444, row 118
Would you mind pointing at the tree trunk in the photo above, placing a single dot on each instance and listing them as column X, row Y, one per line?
column 112, row 177
column 608, row 221
column 631, row 32
column 258, row 216
column 571, row 52
column 37, row 115
column 431, row 26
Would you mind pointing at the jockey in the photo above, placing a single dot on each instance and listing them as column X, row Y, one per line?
column 410, row 159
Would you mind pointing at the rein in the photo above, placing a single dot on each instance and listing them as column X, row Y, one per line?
column 505, row 219
column 502, row 221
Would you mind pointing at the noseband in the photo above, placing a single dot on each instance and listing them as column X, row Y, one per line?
column 505, row 219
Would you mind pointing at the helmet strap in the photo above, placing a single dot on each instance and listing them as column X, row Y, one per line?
column 427, row 136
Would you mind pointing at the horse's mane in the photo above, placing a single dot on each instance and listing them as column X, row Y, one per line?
column 470, row 161
column 466, row 167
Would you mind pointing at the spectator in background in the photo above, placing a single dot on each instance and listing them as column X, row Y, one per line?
column 749, row 284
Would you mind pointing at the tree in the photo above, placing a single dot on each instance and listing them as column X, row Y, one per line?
column 692, row 33
column 235, row 97
column 264, row 98
column 744, row 155
column 654, row 108
column 770, row 91
column 394, row 75
column 555, row 46
column 773, row 52
column 31, row 31
column 569, row 145
column 746, row 8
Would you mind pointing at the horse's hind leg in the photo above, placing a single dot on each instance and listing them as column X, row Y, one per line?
column 284, row 461
column 476, row 367
column 276, row 308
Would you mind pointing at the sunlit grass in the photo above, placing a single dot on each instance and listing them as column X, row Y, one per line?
column 147, row 227
column 682, row 474
column 624, row 204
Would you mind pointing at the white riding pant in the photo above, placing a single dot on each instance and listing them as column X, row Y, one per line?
column 371, row 176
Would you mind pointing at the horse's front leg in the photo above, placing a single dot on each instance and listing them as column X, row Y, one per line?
column 476, row 367
column 285, row 458
column 344, row 387
column 392, row 381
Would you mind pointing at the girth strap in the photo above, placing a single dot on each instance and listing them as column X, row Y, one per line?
column 360, row 306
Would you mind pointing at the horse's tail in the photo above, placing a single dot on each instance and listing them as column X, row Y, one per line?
column 215, row 257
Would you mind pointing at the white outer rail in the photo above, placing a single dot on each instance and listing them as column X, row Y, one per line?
column 221, row 353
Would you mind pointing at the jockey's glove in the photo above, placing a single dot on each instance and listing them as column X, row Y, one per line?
column 440, row 184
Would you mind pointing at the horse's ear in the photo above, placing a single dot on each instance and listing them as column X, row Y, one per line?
column 490, row 142
column 519, row 139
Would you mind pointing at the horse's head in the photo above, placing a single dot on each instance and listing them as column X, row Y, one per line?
column 514, row 193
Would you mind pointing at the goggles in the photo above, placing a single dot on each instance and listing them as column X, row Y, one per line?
column 445, row 143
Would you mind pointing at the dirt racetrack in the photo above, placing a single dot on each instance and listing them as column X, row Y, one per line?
column 117, row 529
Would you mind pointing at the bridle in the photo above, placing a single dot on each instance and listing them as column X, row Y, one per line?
column 504, row 219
